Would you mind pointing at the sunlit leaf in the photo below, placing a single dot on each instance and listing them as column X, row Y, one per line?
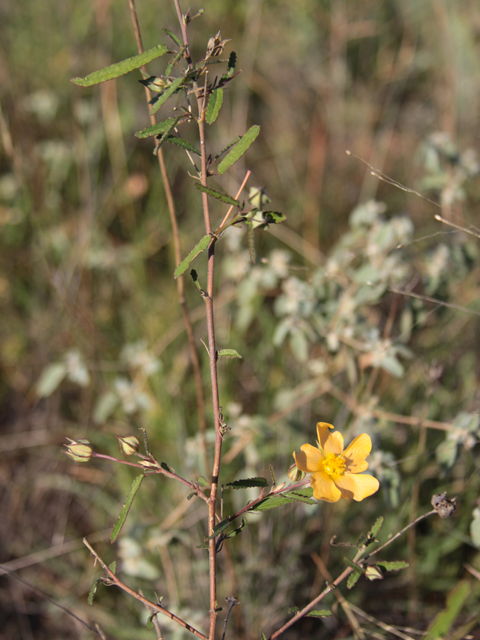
column 121, row 68
column 228, row 353
column 215, row 103
column 158, row 128
column 176, row 84
column 198, row 248
column 239, row 149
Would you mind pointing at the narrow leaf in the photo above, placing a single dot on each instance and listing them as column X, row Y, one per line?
column 184, row 144
column 393, row 566
column 273, row 501
column 215, row 103
column 229, row 146
column 224, row 197
column 172, row 36
column 156, row 129
column 166, row 94
column 120, row 68
column 238, row 530
column 446, row 618
column 320, row 613
column 375, row 530
column 174, row 60
column 352, row 580
column 198, row 248
column 248, row 483
column 126, row 508
column 354, row 566
column 239, row 149
column 93, row 591
column 221, row 526
column 228, row 353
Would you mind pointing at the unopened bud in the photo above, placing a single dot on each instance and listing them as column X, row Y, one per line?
column 294, row 474
column 148, row 465
column 128, row 445
column 79, row 450
column 373, row 573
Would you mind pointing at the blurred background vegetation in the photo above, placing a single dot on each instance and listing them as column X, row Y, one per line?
column 92, row 341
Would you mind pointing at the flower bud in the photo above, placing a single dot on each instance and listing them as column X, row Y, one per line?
column 373, row 573
column 148, row 465
column 79, row 450
column 128, row 445
column 294, row 474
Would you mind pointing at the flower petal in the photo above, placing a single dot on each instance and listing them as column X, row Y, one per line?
column 324, row 488
column 328, row 441
column 310, row 459
column 357, row 486
column 356, row 452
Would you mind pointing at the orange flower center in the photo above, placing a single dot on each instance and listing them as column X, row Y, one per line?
column 334, row 465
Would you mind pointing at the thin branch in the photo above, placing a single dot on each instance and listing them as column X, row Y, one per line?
column 113, row 579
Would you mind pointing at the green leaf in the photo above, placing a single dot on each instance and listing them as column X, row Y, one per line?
column 353, row 579
column 174, row 60
column 221, row 526
column 113, row 566
column 50, row 379
column 248, row 483
column 215, row 103
column 93, row 591
column 166, row 94
column 158, row 128
column 239, row 149
column 224, row 197
column 446, row 618
column 120, row 68
column 126, row 508
column 229, row 146
column 274, row 217
column 172, row 36
column 395, row 565
column 375, row 530
column 273, row 501
column 320, row 613
column 238, row 530
column 475, row 527
column 228, row 353
column 354, row 566
column 198, row 248
column 203, row 482
column 184, row 144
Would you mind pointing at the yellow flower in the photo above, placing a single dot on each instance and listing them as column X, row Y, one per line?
column 337, row 473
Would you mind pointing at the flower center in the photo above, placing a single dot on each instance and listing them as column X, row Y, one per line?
column 334, row 465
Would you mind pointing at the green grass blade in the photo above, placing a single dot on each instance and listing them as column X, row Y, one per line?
column 120, row 68
column 239, row 149
column 126, row 508
column 198, row 248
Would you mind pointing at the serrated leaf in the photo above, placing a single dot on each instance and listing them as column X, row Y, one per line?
column 394, row 565
column 174, row 60
column 93, row 591
column 229, row 146
column 224, row 197
column 198, row 248
column 120, row 68
column 158, row 128
column 172, row 36
column 274, row 217
column 166, row 94
column 352, row 580
column 319, row 613
column 273, row 501
column 248, row 483
column 375, row 530
column 184, row 144
column 215, row 103
column 239, row 149
column 126, row 508
column 50, row 379
column 228, row 353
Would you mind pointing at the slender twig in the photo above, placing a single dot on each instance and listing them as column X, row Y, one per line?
column 113, row 579
column 178, row 258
